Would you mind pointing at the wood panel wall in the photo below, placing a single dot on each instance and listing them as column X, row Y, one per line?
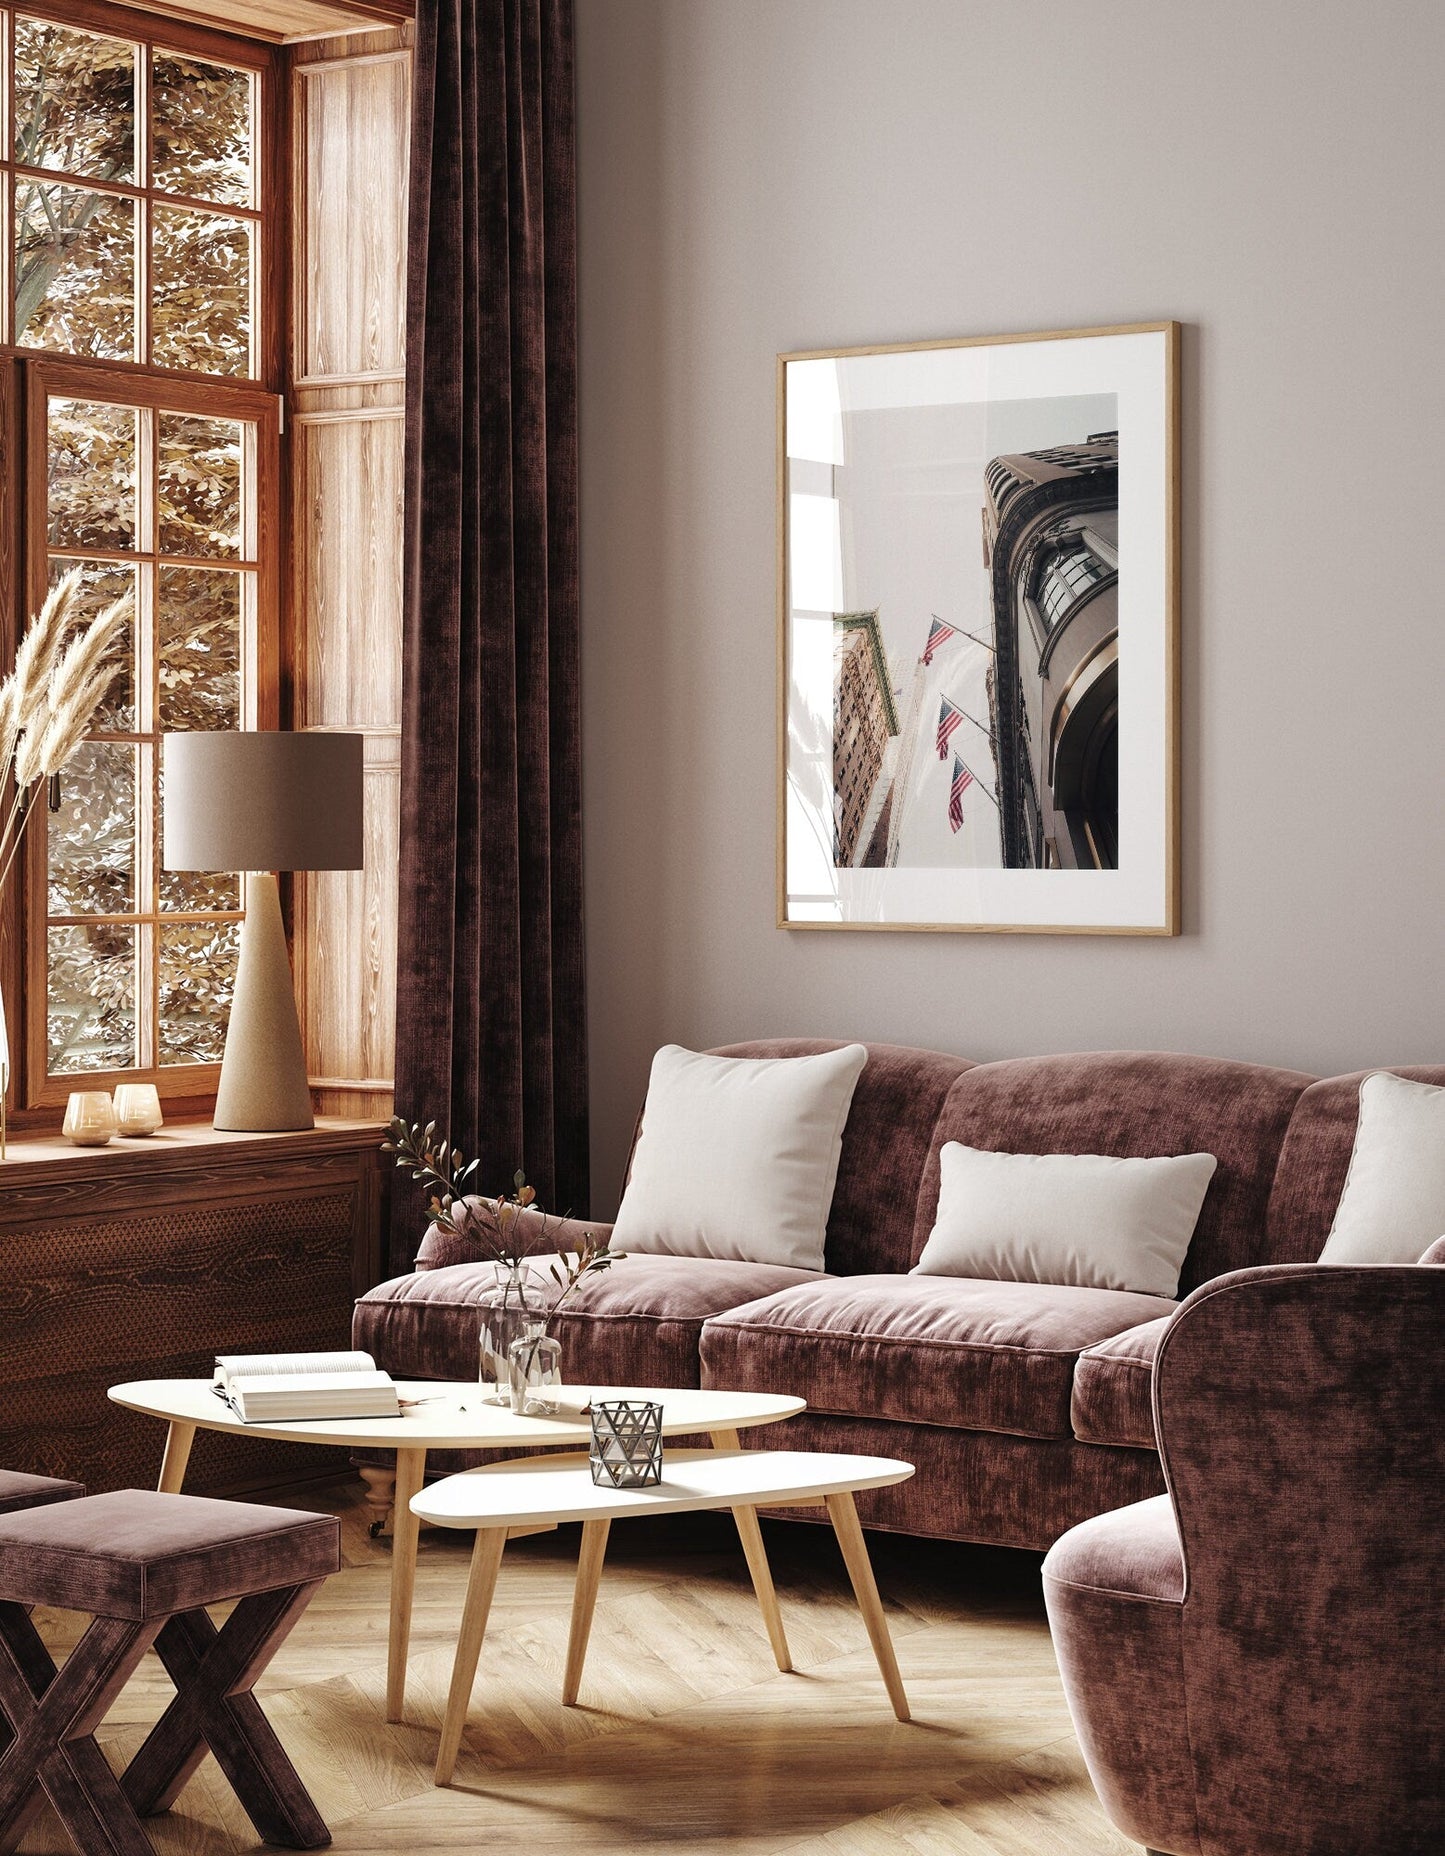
column 351, row 103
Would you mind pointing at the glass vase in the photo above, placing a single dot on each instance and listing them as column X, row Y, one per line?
column 508, row 1311
column 536, row 1373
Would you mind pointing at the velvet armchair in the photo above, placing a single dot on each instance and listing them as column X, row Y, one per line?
column 1255, row 1662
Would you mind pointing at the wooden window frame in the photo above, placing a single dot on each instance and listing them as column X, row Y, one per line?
column 28, row 376
column 261, row 679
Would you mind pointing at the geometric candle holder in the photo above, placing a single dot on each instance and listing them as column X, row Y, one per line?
column 626, row 1448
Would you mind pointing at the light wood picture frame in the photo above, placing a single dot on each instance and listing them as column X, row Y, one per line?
column 978, row 634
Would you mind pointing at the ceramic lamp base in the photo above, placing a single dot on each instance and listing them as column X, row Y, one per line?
column 263, row 1075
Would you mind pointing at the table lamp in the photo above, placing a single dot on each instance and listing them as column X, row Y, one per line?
column 262, row 802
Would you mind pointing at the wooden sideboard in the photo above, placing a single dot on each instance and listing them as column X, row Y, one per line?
column 146, row 1258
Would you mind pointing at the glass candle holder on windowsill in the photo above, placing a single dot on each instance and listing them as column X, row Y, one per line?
column 89, row 1118
column 138, row 1109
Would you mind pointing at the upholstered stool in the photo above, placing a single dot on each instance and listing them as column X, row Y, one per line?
column 145, row 1566
column 18, row 1491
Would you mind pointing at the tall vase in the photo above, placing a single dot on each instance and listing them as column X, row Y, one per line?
column 508, row 1311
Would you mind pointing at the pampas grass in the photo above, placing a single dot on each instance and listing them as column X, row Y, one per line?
column 50, row 698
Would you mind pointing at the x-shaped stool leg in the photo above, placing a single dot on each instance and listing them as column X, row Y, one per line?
column 214, row 1708
column 52, row 1716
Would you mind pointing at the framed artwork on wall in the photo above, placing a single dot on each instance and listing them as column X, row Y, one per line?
column 978, row 565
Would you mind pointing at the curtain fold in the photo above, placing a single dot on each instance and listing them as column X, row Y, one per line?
column 491, row 1031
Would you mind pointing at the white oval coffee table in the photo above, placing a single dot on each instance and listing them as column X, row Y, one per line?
column 452, row 1415
column 545, row 1490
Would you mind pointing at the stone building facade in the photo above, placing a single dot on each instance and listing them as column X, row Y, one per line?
column 1051, row 547
column 865, row 720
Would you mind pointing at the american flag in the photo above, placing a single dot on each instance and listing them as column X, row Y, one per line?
column 962, row 780
column 949, row 717
column 938, row 633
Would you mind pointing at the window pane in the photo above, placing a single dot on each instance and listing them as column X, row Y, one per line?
column 101, row 583
column 92, row 836
column 92, row 466
column 197, row 978
column 91, row 1017
column 200, row 291
column 197, row 892
column 198, row 648
column 201, row 122
column 200, row 485
column 74, row 271
column 74, row 101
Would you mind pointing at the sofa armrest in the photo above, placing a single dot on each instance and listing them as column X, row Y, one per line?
column 1436, row 1253
column 541, row 1236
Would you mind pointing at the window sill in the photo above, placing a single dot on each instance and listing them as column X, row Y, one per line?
column 31, row 1157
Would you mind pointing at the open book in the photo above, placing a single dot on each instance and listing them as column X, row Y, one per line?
column 274, row 1388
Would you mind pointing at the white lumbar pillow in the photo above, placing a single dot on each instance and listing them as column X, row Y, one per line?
column 1084, row 1220
column 1393, row 1205
column 738, row 1156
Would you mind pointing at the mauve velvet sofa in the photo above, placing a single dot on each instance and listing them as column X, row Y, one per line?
column 1026, row 1408
column 1255, row 1662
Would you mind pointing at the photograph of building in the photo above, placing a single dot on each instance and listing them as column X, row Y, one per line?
column 1051, row 546
column 973, row 696
column 865, row 724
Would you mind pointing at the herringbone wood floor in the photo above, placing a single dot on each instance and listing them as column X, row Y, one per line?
column 687, row 1735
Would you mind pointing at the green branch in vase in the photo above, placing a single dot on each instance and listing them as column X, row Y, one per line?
column 497, row 1225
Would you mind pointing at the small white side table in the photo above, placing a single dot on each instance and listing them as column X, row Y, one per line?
column 544, row 1490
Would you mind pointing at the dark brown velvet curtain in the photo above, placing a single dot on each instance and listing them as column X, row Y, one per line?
column 491, row 1035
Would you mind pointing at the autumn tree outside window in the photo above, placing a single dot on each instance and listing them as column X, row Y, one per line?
column 138, row 317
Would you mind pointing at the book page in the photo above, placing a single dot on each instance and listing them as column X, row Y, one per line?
column 287, row 1365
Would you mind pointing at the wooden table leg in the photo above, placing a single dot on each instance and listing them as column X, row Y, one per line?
column 410, row 1473
column 844, row 1517
column 481, row 1583
column 179, row 1439
column 584, row 1603
column 755, row 1553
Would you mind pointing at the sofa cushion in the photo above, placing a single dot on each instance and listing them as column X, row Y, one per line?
column 1135, row 1104
column 885, row 1145
column 989, row 1356
column 1113, row 1399
column 1092, row 1220
column 1133, row 1552
column 737, row 1157
column 1393, row 1204
column 1315, row 1162
column 635, row 1324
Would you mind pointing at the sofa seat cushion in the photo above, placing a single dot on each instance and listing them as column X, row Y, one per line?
column 636, row 1324
column 1113, row 1399
column 1133, row 1552
column 984, row 1356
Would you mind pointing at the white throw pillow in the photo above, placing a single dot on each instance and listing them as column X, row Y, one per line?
column 1080, row 1219
column 738, row 1156
column 1393, row 1206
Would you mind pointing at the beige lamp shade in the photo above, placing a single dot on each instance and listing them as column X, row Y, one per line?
column 262, row 801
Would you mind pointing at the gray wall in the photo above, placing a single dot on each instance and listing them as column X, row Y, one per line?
column 758, row 175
